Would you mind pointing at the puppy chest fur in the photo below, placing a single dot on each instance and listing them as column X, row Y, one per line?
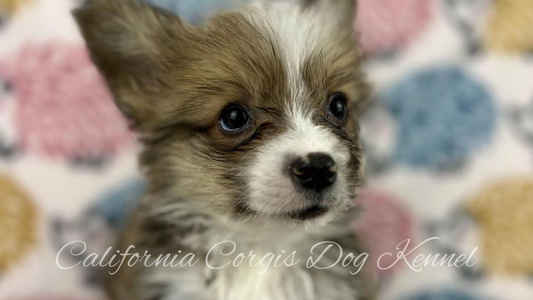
column 249, row 133
column 287, row 277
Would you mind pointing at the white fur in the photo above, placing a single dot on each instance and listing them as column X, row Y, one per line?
column 272, row 191
column 245, row 282
column 275, row 284
column 297, row 35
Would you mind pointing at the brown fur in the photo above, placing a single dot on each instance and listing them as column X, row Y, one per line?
column 173, row 80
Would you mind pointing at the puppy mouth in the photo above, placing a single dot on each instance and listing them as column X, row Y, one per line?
column 307, row 213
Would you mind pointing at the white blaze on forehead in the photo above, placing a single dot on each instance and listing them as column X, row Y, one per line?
column 296, row 34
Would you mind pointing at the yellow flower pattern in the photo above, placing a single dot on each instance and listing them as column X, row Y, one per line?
column 510, row 26
column 504, row 213
column 18, row 218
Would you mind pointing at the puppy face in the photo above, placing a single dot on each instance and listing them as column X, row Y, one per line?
column 252, row 116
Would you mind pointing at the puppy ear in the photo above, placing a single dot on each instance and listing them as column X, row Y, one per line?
column 133, row 45
column 341, row 12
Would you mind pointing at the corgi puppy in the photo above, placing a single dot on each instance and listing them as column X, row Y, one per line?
column 249, row 127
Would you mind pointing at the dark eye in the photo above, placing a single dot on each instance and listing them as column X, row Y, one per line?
column 234, row 118
column 337, row 106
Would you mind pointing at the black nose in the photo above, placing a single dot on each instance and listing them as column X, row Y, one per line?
column 317, row 171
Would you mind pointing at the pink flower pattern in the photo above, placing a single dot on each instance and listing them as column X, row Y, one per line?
column 384, row 225
column 387, row 25
column 63, row 107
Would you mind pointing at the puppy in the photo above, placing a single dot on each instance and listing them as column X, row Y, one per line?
column 250, row 135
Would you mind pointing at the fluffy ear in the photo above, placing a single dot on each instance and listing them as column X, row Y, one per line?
column 341, row 12
column 133, row 45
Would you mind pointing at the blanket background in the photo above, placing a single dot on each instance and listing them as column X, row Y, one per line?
column 449, row 146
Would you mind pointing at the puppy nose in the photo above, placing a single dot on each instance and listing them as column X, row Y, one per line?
column 316, row 172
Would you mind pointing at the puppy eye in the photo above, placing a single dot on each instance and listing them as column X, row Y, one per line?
column 234, row 118
column 338, row 106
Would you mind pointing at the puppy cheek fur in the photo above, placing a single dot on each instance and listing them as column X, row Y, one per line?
column 196, row 171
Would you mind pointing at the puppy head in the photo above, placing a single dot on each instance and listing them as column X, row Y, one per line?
column 253, row 116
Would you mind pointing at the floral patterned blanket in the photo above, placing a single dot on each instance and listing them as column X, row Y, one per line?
column 449, row 148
